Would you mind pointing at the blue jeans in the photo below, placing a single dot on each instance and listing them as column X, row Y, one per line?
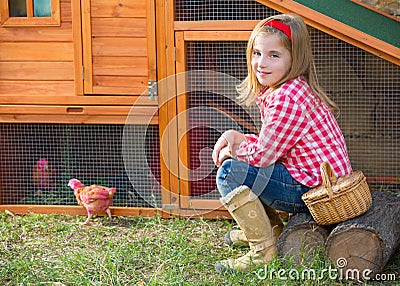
column 273, row 185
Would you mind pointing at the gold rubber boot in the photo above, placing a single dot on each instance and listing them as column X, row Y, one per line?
column 249, row 213
column 237, row 238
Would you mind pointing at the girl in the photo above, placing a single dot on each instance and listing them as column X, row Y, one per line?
column 299, row 132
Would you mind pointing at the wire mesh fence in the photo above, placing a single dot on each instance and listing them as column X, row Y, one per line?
column 214, row 10
column 38, row 160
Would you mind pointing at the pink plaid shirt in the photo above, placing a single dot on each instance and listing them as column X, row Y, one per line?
column 298, row 131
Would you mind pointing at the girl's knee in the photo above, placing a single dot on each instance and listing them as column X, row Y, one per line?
column 224, row 169
column 223, row 184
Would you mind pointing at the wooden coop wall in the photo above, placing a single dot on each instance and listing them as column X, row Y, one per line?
column 102, row 53
column 77, row 95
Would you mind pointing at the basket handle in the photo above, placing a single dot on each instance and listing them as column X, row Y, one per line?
column 328, row 178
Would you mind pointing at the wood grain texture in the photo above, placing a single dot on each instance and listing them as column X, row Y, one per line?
column 36, row 88
column 44, row 99
column 302, row 238
column 118, row 8
column 119, row 47
column 368, row 241
column 44, row 52
column 39, row 34
column 119, row 27
column 126, row 66
column 36, row 71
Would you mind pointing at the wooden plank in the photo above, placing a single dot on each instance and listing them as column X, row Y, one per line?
column 151, row 40
column 119, row 27
column 39, row 34
column 36, row 88
column 225, row 25
column 78, row 49
column 78, row 119
column 30, row 22
column 183, row 121
column 203, row 204
column 66, row 7
column 120, row 47
column 48, row 52
column 171, row 102
column 122, row 66
column 87, row 47
column 166, row 68
column 78, row 110
column 205, row 214
column 217, row 35
column 120, row 81
column 78, row 210
column 58, row 99
column 29, row 8
column 118, row 8
column 36, row 71
column 4, row 14
column 110, row 90
column 55, row 10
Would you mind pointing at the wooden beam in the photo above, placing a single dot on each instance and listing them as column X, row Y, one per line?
column 30, row 96
column 87, row 47
column 78, row 210
column 151, row 40
column 78, row 119
column 183, row 121
column 225, row 25
column 217, row 35
column 27, row 51
column 167, row 101
column 78, row 49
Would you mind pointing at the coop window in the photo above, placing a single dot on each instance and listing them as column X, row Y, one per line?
column 27, row 13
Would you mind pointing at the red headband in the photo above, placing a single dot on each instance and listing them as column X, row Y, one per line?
column 280, row 26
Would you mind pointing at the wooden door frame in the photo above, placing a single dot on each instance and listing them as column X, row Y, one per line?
column 181, row 37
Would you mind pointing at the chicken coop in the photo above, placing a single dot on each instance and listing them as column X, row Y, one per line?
column 134, row 94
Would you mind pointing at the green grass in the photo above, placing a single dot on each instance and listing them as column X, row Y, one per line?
column 55, row 250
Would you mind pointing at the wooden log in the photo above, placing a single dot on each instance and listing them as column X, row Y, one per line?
column 364, row 244
column 302, row 238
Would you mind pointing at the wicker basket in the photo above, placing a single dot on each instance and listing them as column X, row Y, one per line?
column 338, row 200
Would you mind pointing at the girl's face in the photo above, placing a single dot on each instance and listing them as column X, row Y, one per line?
column 271, row 61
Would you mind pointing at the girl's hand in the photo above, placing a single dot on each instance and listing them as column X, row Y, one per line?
column 223, row 155
column 221, row 143
column 230, row 139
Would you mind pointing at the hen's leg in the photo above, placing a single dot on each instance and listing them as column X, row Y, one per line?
column 109, row 213
column 87, row 221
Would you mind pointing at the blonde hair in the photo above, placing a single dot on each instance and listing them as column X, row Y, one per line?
column 302, row 59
